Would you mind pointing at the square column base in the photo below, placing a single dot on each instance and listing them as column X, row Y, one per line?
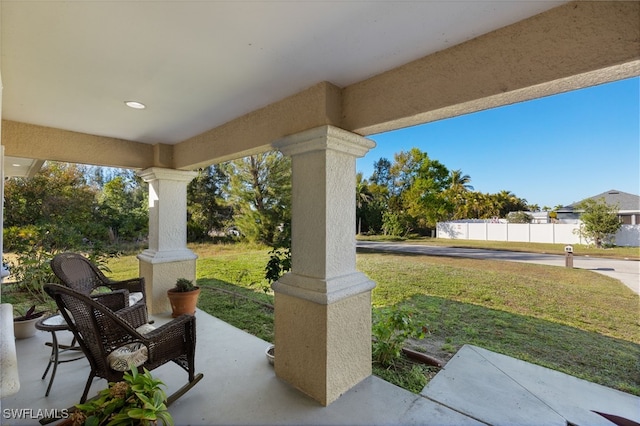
column 160, row 277
column 323, row 349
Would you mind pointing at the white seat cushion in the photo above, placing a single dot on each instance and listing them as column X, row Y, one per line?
column 135, row 297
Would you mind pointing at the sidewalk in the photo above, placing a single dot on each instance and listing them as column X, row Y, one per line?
column 499, row 390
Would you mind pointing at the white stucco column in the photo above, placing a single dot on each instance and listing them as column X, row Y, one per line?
column 323, row 306
column 167, row 257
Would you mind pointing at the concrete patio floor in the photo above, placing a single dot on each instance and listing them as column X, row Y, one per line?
column 240, row 388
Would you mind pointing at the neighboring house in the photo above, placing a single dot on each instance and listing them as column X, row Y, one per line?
column 539, row 217
column 628, row 207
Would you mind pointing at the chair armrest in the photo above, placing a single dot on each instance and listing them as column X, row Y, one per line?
column 114, row 300
column 136, row 315
column 169, row 340
column 132, row 285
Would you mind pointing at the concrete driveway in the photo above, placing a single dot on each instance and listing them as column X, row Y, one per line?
column 626, row 271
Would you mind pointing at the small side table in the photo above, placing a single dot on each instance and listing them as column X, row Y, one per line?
column 52, row 324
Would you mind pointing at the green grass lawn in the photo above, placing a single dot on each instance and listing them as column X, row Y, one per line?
column 571, row 320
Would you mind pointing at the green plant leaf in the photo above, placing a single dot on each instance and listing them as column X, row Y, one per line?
column 92, row 421
column 142, row 414
column 166, row 418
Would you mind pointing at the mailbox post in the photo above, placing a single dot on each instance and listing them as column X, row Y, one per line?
column 568, row 256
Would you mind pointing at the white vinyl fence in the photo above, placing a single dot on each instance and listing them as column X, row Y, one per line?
column 563, row 233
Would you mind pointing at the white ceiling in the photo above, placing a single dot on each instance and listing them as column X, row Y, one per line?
column 199, row 64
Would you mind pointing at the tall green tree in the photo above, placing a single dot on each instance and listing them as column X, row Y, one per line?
column 207, row 208
column 600, row 221
column 419, row 185
column 260, row 192
column 460, row 185
column 123, row 207
column 381, row 175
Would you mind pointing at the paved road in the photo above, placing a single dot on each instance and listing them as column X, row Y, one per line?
column 627, row 271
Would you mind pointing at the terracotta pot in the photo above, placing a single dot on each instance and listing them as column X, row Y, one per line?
column 183, row 302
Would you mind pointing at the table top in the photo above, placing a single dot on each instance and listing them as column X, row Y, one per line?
column 52, row 323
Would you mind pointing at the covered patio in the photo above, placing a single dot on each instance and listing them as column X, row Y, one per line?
column 240, row 388
column 222, row 80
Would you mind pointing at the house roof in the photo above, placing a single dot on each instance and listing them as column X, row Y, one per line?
column 624, row 200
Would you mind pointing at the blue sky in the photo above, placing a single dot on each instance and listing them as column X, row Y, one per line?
column 550, row 151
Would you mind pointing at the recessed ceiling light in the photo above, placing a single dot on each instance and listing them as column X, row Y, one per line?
column 135, row 105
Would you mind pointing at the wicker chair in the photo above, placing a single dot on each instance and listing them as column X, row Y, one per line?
column 79, row 273
column 101, row 333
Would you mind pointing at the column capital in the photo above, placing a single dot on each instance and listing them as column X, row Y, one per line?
column 325, row 138
column 323, row 291
column 159, row 173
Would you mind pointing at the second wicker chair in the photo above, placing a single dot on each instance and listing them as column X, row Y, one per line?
column 80, row 274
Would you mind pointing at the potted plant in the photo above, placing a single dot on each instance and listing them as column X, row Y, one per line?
column 270, row 352
column 138, row 399
column 279, row 263
column 183, row 297
column 24, row 326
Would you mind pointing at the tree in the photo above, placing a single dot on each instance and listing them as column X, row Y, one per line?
column 600, row 221
column 363, row 197
column 519, row 217
column 55, row 208
column 123, row 207
column 260, row 191
column 207, row 208
column 480, row 206
column 419, row 183
column 372, row 211
column 460, row 182
column 508, row 202
column 456, row 193
column 382, row 173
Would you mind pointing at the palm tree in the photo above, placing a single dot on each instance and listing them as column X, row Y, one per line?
column 363, row 197
column 460, row 182
column 458, row 190
column 508, row 202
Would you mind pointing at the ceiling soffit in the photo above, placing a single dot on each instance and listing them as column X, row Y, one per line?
column 573, row 46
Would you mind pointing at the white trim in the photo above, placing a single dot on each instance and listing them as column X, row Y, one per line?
column 323, row 292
